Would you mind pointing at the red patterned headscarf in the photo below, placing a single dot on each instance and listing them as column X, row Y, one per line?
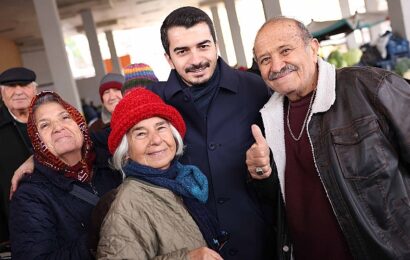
column 82, row 171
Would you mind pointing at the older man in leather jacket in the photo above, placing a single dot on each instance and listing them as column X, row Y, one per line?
column 340, row 142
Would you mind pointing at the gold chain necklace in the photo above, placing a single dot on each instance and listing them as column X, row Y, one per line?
column 304, row 121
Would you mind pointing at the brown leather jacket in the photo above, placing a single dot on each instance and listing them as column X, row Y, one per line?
column 360, row 138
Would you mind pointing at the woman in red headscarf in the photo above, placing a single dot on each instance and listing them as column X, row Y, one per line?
column 50, row 212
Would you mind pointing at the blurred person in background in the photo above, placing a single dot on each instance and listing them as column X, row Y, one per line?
column 110, row 94
column 18, row 87
column 138, row 75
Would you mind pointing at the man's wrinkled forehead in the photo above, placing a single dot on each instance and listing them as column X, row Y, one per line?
column 278, row 33
column 281, row 30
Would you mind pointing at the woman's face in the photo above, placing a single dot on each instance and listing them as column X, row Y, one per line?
column 151, row 143
column 59, row 132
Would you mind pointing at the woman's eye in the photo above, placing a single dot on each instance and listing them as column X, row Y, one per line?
column 66, row 116
column 42, row 126
column 140, row 134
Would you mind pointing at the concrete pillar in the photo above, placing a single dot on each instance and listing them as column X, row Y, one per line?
column 351, row 40
column 344, row 8
column 116, row 67
column 271, row 8
column 91, row 33
column 235, row 32
column 219, row 34
column 49, row 22
column 399, row 17
column 373, row 6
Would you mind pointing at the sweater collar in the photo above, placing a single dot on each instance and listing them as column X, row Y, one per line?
column 273, row 121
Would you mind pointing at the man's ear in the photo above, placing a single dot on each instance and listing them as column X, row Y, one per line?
column 314, row 46
column 168, row 58
column 1, row 92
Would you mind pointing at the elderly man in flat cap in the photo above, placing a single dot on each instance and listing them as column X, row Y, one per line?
column 18, row 87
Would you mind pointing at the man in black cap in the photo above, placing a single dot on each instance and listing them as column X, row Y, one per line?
column 18, row 87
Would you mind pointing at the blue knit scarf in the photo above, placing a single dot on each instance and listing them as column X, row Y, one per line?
column 188, row 182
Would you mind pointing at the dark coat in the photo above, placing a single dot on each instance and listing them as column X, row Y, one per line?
column 217, row 145
column 13, row 152
column 46, row 221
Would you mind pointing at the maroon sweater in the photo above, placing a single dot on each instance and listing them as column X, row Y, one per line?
column 313, row 226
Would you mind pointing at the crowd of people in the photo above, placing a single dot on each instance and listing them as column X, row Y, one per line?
column 297, row 161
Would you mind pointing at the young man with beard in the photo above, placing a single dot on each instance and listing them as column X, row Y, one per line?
column 218, row 104
column 340, row 140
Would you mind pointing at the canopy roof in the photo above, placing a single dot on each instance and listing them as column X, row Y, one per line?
column 322, row 30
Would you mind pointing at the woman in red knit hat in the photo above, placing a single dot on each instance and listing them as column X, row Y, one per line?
column 159, row 209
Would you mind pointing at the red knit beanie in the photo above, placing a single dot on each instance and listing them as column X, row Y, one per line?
column 108, row 85
column 136, row 106
column 111, row 80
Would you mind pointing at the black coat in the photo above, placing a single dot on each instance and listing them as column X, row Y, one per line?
column 217, row 144
column 46, row 221
column 13, row 152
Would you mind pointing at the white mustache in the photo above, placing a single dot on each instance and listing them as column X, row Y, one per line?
column 286, row 69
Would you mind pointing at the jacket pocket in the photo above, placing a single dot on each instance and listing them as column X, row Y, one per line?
column 358, row 149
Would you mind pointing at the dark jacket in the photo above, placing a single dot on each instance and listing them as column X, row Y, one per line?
column 360, row 137
column 217, row 145
column 13, row 152
column 46, row 221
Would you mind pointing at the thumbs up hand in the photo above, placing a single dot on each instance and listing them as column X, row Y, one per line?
column 257, row 156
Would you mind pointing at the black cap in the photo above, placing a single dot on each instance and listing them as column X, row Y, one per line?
column 17, row 76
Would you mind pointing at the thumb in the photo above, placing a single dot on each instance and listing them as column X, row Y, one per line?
column 257, row 135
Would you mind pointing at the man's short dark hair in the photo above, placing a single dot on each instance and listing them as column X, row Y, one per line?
column 187, row 17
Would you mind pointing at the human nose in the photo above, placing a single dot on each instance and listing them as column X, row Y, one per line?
column 57, row 126
column 277, row 65
column 111, row 95
column 196, row 57
column 155, row 138
column 18, row 89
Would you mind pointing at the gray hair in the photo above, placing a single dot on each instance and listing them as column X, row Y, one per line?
column 120, row 156
column 31, row 83
column 47, row 98
column 305, row 35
